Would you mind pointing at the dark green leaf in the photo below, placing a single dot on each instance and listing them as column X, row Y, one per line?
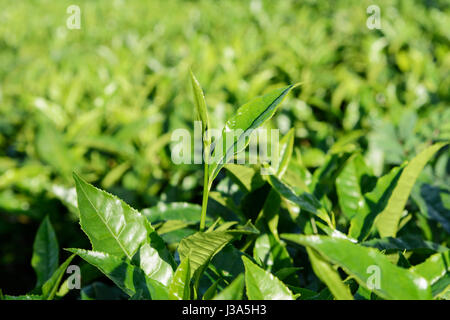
column 101, row 291
column 45, row 259
column 50, row 287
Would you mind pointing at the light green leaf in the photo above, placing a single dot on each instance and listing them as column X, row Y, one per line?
column 374, row 202
column 347, row 142
column 211, row 292
column 45, row 257
column 200, row 103
column 305, row 200
column 114, row 175
column 441, row 288
column 262, row 285
column 387, row 221
column 152, row 263
column 329, row 276
column 402, row 244
column 435, row 267
column 234, row 291
column 109, row 144
column 68, row 196
column 285, row 152
column 248, row 117
column 395, row 282
column 349, row 185
column 324, row 178
column 53, row 149
column 182, row 211
column 126, row 276
column 272, row 253
column 248, row 228
column 201, row 247
column 117, row 229
column 297, row 175
column 179, row 288
column 50, row 287
column 111, row 225
column 247, row 178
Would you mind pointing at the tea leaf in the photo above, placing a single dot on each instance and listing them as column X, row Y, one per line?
column 387, row 221
column 329, row 276
column 248, row 117
column 50, row 287
column 45, row 257
column 201, row 247
column 179, row 288
column 117, row 229
column 234, row 291
column 357, row 261
column 126, row 276
column 262, row 285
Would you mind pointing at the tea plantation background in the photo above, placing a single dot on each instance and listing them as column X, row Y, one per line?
column 103, row 100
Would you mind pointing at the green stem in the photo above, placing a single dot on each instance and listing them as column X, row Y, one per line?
column 205, row 196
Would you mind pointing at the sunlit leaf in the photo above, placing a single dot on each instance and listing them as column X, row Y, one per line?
column 234, row 291
column 248, row 117
column 329, row 276
column 387, row 221
column 179, row 288
column 358, row 261
column 117, row 229
column 350, row 185
column 262, row 285
column 125, row 275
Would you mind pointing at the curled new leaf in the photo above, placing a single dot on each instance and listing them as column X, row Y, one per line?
column 248, row 117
